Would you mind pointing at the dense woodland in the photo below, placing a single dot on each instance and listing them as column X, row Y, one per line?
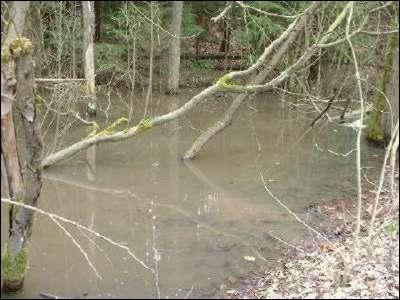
column 99, row 69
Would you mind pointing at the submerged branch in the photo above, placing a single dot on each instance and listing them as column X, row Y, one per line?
column 65, row 220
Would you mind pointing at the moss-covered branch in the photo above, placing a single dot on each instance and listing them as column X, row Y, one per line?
column 17, row 48
column 226, row 82
column 108, row 130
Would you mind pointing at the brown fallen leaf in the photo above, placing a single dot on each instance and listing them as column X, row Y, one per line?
column 325, row 247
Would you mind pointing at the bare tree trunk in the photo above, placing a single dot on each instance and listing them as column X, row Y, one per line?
column 98, row 18
column 227, row 118
column 15, row 259
column 73, row 41
column 8, row 142
column 8, row 83
column 28, row 186
column 88, row 54
column 175, row 48
column 60, row 38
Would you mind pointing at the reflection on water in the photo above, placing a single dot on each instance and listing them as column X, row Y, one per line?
column 191, row 222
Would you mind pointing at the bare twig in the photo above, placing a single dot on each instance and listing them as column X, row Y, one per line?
column 294, row 215
column 379, row 32
column 322, row 113
column 77, row 245
column 50, row 296
column 266, row 12
column 188, row 293
column 380, row 184
column 97, row 234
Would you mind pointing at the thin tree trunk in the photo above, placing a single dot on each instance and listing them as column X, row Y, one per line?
column 175, row 48
column 150, row 87
column 390, row 118
column 60, row 38
column 98, row 18
column 88, row 55
column 73, row 41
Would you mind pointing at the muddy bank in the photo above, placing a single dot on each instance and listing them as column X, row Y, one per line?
column 316, row 270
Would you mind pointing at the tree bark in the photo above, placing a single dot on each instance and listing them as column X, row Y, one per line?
column 392, row 116
column 175, row 48
column 15, row 260
column 88, row 55
column 22, row 224
column 8, row 85
column 376, row 124
column 8, row 141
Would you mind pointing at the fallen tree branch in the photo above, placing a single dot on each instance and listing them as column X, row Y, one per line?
column 129, row 132
column 227, row 118
column 294, row 215
column 75, row 242
column 324, row 111
column 65, row 220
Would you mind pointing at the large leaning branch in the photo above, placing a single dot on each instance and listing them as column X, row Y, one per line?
column 221, row 85
column 127, row 133
column 226, row 119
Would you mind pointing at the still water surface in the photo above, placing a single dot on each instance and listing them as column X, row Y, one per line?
column 191, row 222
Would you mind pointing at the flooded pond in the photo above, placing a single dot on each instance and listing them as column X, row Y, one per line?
column 193, row 223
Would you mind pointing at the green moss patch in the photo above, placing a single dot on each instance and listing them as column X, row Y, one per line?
column 13, row 268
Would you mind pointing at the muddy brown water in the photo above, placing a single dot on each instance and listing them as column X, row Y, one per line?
column 193, row 223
